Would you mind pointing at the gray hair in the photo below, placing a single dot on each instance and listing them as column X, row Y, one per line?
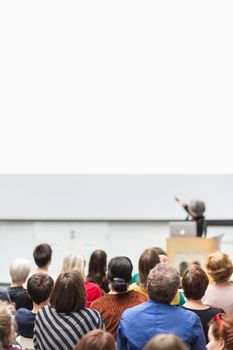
column 198, row 207
column 163, row 282
column 19, row 270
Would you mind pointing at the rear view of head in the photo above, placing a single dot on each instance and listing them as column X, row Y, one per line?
column 221, row 332
column 74, row 262
column 148, row 259
column 69, row 293
column 163, row 282
column 119, row 273
column 40, row 286
column 19, row 270
column 97, row 266
column 96, row 340
column 195, row 282
column 166, row 342
column 42, row 255
column 7, row 324
column 197, row 208
column 219, row 267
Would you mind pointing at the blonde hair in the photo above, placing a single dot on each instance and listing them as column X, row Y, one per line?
column 7, row 324
column 74, row 262
column 166, row 342
column 219, row 267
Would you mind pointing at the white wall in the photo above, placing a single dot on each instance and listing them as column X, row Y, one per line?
column 116, row 238
column 112, row 197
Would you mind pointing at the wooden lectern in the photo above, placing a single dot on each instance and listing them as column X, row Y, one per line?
column 191, row 249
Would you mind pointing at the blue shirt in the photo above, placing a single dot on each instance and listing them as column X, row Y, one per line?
column 140, row 323
column 25, row 320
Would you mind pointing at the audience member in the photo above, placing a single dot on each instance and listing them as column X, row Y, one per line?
column 43, row 256
column 96, row 340
column 166, row 342
column 76, row 262
column 112, row 305
column 194, row 282
column 149, row 259
column 162, row 255
column 195, row 209
column 97, row 270
column 19, row 272
column 39, row 287
column 221, row 332
column 7, row 326
column 162, row 258
column 219, row 293
column 60, row 325
column 157, row 316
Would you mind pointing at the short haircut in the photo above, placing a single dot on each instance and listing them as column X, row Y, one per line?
column 198, row 207
column 7, row 324
column 195, row 282
column 69, row 293
column 166, row 342
column 120, row 273
column 74, row 262
column 96, row 340
column 40, row 286
column 221, row 326
column 19, row 270
column 163, row 282
column 219, row 267
column 42, row 254
column 148, row 259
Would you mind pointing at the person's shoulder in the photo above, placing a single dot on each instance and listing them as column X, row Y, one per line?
column 91, row 286
column 46, row 308
column 23, row 311
column 140, row 308
column 101, row 300
column 137, row 295
column 86, row 311
column 188, row 315
column 215, row 310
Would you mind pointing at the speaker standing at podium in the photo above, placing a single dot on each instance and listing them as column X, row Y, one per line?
column 195, row 210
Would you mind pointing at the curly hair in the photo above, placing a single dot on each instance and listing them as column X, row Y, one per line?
column 219, row 267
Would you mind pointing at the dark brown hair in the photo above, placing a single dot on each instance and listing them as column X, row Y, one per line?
column 69, row 293
column 96, row 340
column 195, row 282
column 97, row 267
column 148, row 259
column 42, row 254
column 39, row 287
column 222, row 327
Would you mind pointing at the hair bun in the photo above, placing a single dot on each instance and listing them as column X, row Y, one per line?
column 119, row 284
